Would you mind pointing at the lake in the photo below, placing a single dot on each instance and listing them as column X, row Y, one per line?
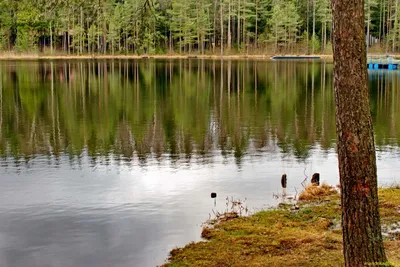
column 112, row 163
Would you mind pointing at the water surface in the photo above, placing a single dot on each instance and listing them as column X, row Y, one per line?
column 111, row 163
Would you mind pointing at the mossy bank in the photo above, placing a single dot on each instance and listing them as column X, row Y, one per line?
column 305, row 235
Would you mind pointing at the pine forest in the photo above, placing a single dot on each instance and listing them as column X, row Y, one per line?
column 184, row 26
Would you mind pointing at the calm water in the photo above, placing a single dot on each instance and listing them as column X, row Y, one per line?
column 111, row 163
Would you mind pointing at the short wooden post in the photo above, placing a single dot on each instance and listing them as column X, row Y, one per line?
column 284, row 180
column 315, row 179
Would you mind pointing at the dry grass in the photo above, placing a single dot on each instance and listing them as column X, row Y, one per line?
column 312, row 192
column 310, row 236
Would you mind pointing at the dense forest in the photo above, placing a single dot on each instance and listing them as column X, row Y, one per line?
column 183, row 26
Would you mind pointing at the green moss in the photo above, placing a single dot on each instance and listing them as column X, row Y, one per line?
column 309, row 236
column 389, row 201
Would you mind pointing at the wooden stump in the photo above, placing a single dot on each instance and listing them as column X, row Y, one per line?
column 284, row 180
column 315, row 179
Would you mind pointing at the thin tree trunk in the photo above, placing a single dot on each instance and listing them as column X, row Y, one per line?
column 73, row 27
column 256, row 29
column 388, row 27
column 51, row 39
column 244, row 27
column 222, row 26
column 69, row 35
column 395, row 27
column 362, row 237
column 81, row 35
column 384, row 21
column 98, row 36
column 308, row 27
column 104, row 37
column 180, row 38
column 215, row 26
column 276, row 37
column 313, row 29
column 324, row 41
column 238, row 26
column 229, row 26
column 89, row 42
column 368, row 27
column 198, row 31
column 170, row 41
column 380, row 22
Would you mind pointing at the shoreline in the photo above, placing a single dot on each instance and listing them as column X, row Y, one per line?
column 11, row 56
column 306, row 234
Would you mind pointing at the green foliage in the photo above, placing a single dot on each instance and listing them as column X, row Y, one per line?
column 315, row 42
column 185, row 26
column 5, row 24
column 284, row 24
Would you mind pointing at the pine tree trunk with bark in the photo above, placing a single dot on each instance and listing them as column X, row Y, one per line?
column 362, row 237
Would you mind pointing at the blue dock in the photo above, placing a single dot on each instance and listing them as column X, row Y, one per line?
column 382, row 63
column 383, row 66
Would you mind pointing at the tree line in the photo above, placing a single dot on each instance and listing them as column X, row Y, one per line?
column 183, row 26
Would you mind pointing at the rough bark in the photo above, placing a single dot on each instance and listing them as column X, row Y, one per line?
column 362, row 236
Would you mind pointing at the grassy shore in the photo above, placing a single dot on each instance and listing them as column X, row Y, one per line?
column 305, row 235
column 47, row 55
column 38, row 56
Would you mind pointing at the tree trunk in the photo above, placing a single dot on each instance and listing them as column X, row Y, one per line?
column 81, row 35
column 170, row 41
column 222, row 26
column 104, row 37
column 384, row 21
column 198, row 31
column 368, row 27
column 395, row 27
column 325, row 37
column 256, row 30
column 276, row 37
column 180, row 38
column 89, row 41
column 244, row 27
column 74, row 36
column 313, row 29
column 69, row 35
column 380, row 23
column 98, row 34
column 215, row 26
column 308, row 27
column 362, row 237
column 389, row 26
column 238, row 26
column 51, row 39
column 229, row 26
